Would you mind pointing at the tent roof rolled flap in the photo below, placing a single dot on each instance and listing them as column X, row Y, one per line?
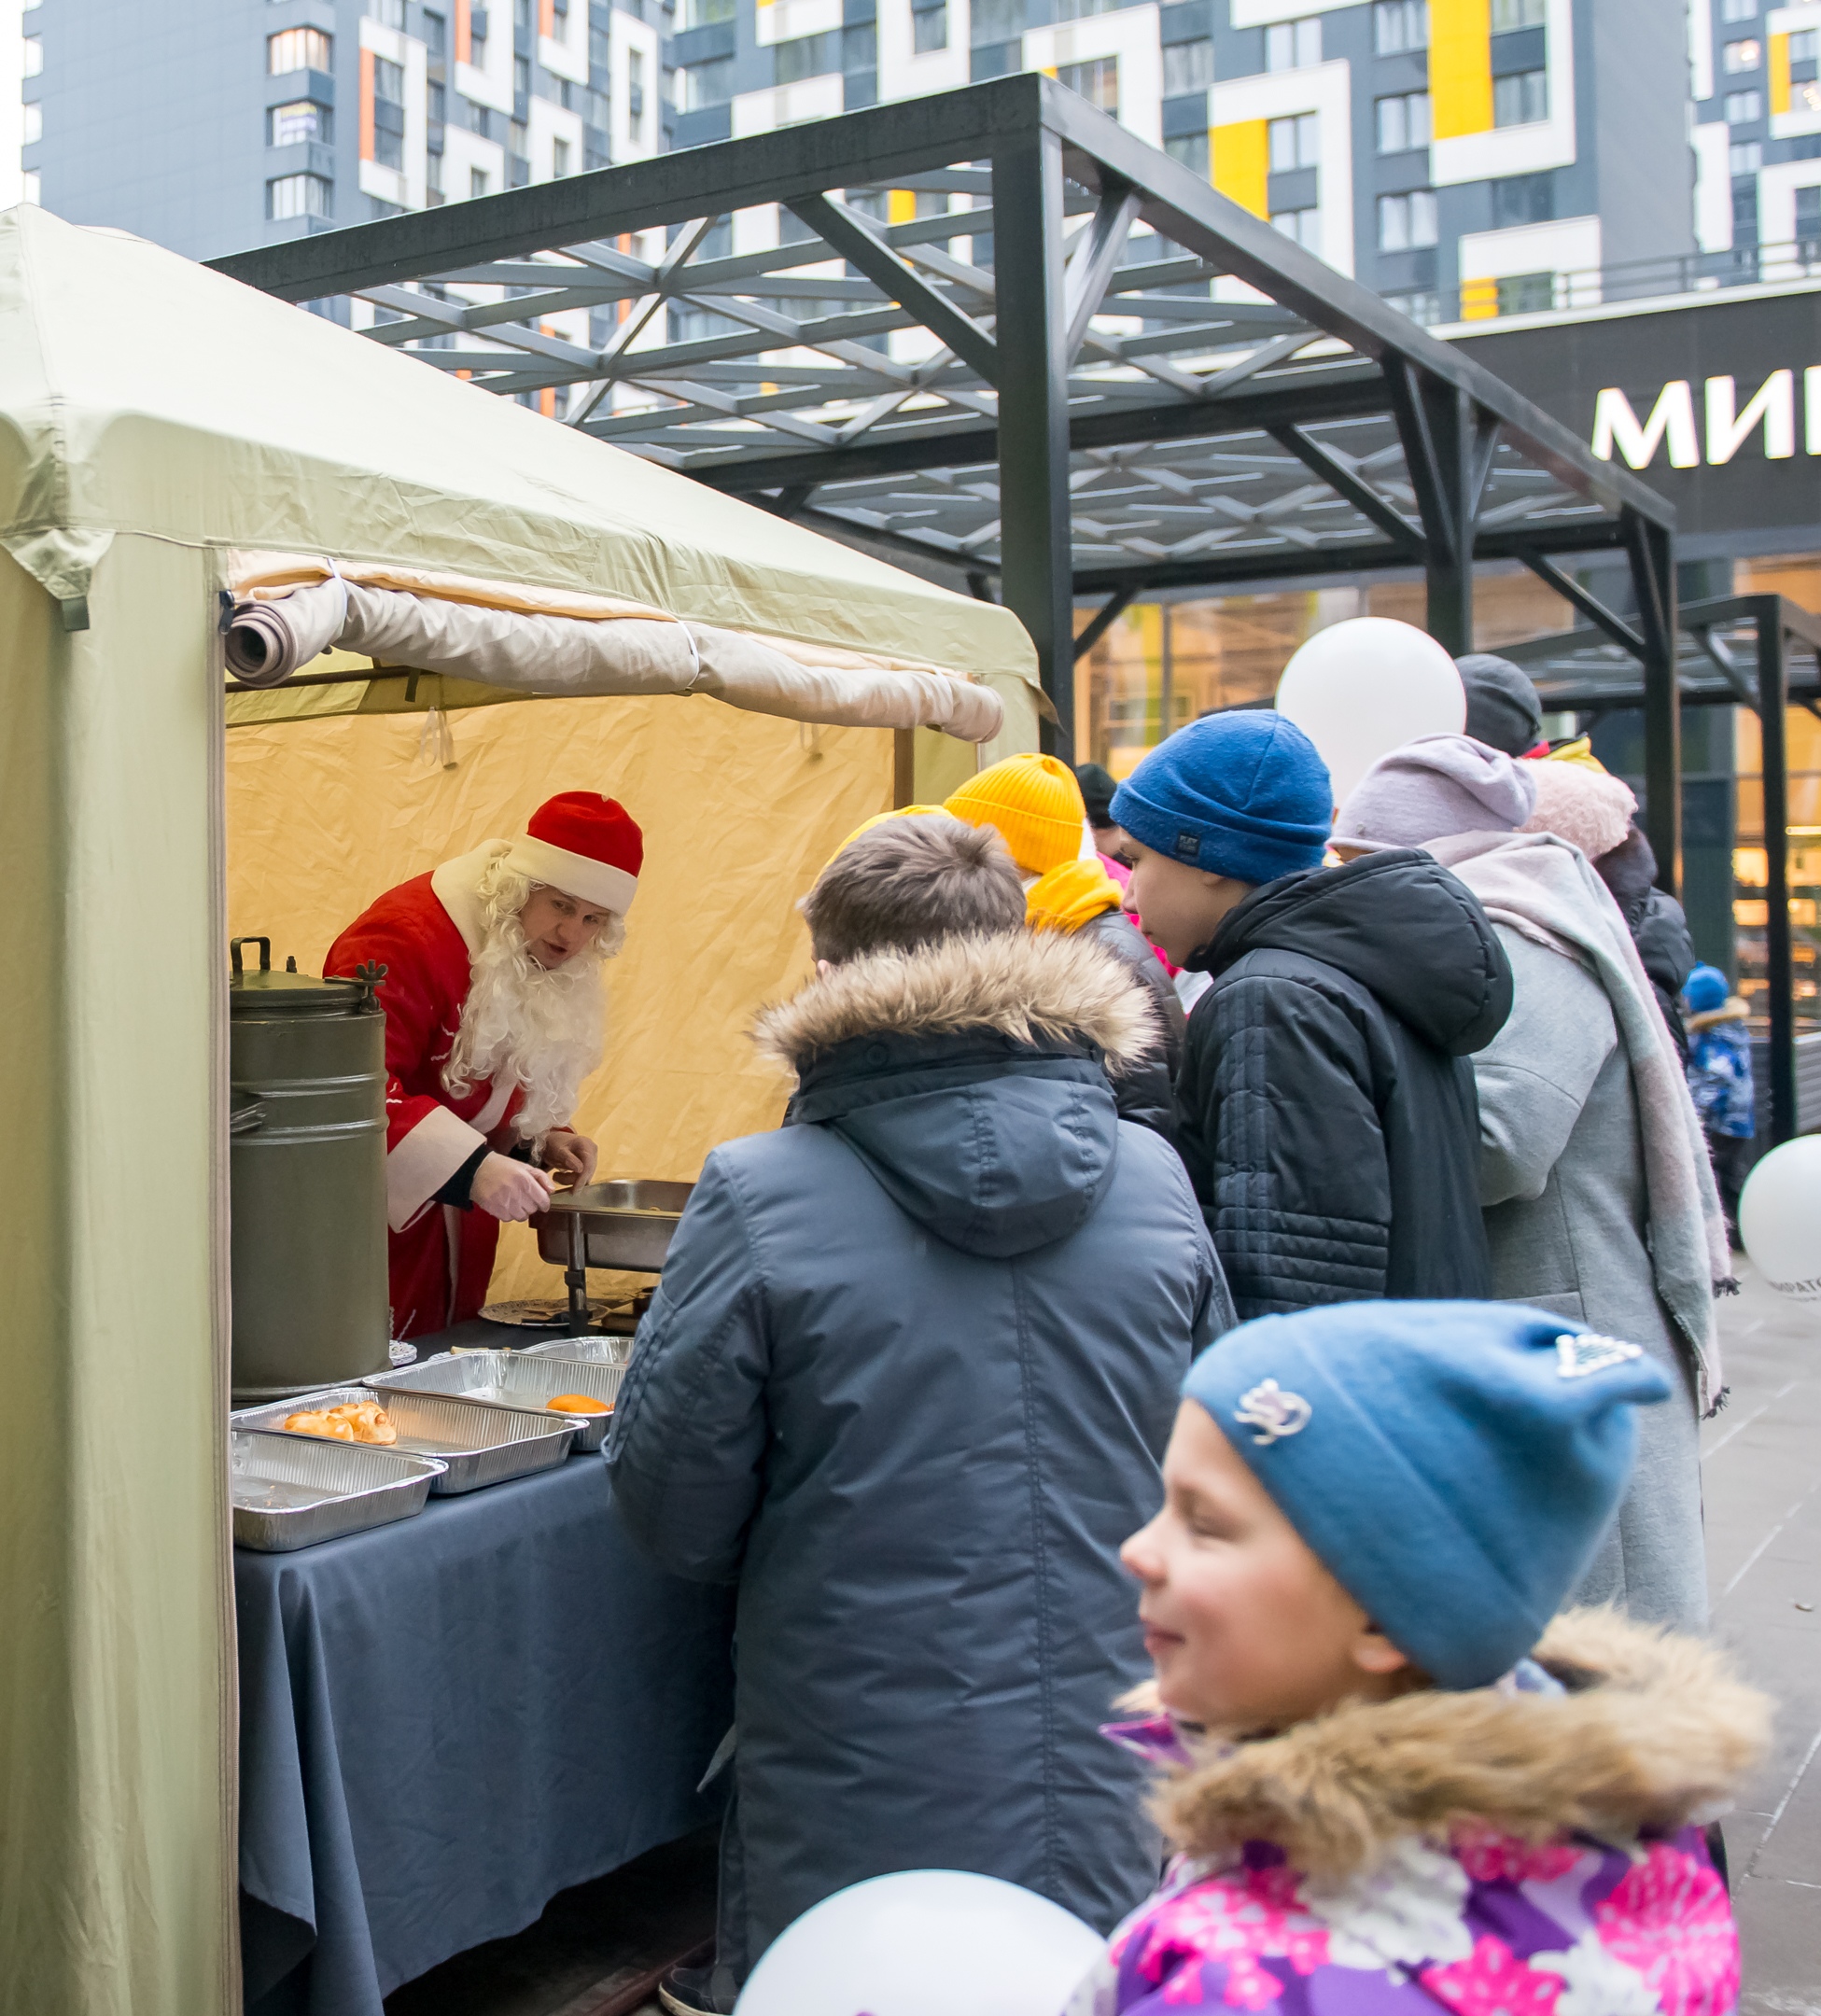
column 143, row 393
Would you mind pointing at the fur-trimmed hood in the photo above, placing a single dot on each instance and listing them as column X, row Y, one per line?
column 970, row 1077
column 1030, row 988
column 1655, row 1732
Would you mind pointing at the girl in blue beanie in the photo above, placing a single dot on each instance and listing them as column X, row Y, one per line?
column 1397, row 1779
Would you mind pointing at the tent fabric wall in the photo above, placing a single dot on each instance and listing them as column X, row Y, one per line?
column 116, row 1839
column 739, row 812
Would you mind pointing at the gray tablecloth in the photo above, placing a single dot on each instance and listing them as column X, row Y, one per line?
column 446, row 1721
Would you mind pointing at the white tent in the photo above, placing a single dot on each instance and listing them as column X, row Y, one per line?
column 159, row 419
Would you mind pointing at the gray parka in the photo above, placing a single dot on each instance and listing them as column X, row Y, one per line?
column 907, row 1378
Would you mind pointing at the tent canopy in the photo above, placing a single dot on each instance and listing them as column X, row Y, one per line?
column 224, row 419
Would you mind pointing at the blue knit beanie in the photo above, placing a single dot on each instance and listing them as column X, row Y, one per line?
column 1705, row 990
column 1241, row 795
column 1453, row 1464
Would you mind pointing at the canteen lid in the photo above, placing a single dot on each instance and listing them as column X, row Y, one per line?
column 290, row 992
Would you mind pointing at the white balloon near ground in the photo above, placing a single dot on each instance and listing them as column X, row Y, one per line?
column 1362, row 687
column 1780, row 1218
column 925, row 1942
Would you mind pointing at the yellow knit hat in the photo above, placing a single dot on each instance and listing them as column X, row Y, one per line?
column 1036, row 805
column 878, row 818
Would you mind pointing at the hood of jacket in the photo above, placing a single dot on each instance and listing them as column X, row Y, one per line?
column 1655, row 1732
column 1734, row 1009
column 1069, row 895
column 1396, row 922
column 971, row 1077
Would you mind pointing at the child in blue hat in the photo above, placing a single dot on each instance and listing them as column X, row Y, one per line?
column 1397, row 1777
column 1721, row 1084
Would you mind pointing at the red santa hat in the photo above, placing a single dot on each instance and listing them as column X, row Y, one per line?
column 584, row 845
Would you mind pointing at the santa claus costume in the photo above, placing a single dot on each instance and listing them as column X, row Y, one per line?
column 484, row 1048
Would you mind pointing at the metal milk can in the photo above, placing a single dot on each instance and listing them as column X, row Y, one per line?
column 307, row 1065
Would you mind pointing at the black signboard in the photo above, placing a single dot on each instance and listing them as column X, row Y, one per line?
column 1716, row 403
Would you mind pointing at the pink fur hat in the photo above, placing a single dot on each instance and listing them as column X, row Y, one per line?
column 1589, row 808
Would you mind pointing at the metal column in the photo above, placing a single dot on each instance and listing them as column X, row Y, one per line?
column 1031, row 337
column 1773, row 698
column 1448, row 443
column 1651, row 550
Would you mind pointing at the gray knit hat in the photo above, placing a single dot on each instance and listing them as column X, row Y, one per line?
column 1503, row 710
column 1436, row 786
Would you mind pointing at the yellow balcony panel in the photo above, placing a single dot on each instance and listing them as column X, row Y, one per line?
column 1240, row 161
column 1461, row 67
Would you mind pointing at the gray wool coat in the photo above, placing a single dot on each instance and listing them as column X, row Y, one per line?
column 907, row 1379
column 1562, row 1185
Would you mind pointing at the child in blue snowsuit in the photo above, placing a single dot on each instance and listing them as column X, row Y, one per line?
column 1720, row 1079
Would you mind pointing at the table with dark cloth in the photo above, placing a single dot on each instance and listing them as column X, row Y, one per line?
column 445, row 1721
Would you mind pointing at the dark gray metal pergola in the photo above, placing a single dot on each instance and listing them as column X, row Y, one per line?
column 1095, row 377
column 1758, row 651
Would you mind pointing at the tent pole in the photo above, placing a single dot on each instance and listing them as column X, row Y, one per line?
column 1773, row 699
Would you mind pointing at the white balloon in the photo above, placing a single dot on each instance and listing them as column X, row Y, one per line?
column 1780, row 1218
column 925, row 1942
column 1365, row 687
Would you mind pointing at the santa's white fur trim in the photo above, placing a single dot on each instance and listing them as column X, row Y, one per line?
column 592, row 881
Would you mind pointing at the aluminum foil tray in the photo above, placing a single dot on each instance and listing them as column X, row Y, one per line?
column 474, row 1447
column 516, row 1378
column 590, row 1350
column 291, row 1492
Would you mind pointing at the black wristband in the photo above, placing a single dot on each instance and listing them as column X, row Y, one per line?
column 455, row 1191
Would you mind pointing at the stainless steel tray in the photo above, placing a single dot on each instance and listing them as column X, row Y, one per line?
column 512, row 1379
column 294, row 1491
column 625, row 1225
column 474, row 1447
column 590, row 1350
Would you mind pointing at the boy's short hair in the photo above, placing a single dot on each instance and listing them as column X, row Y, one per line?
column 909, row 882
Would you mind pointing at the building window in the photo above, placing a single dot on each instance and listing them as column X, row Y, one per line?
column 521, row 77
column 1187, row 66
column 1296, row 142
column 388, row 147
column 1399, row 26
column 1402, row 122
column 1744, row 214
column 32, row 132
column 1191, row 149
column 1508, row 15
column 1742, row 106
column 1804, row 47
column 1098, row 82
column 433, row 176
column 477, row 38
column 1808, row 223
column 635, row 94
column 1520, row 99
column 1739, row 56
column 299, row 195
column 298, row 48
column 436, row 34
column 1523, row 200
column 475, row 117
column 301, row 120
column 436, row 101
column 859, row 46
column 34, row 51
column 1530, row 293
column 559, row 159
column 1736, row 10
column 1422, row 309
column 996, row 20
column 1068, row 10
column 1294, row 45
column 807, row 56
column 388, row 81
column 705, row 83
column 702, row 13
column 516, row 141
column 1406, row 223
column 387, row 13
column 1745, row 158
column 1304, row 226
column 929, row 29
column 476, row 181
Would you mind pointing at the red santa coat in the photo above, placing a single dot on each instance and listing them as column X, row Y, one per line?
column 425, row 932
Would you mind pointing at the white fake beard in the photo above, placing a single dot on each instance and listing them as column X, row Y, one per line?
column 521, row 1023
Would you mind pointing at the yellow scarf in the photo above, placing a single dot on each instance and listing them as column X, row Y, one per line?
column 1069, row 896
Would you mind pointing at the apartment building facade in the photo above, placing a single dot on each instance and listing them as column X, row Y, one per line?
column 227, row 123
column 1462, row 156
column 1755, row 79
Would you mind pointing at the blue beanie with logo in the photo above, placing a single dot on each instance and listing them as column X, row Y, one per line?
column 1453, row 1464
column 1705, row 990
column 1241, row 795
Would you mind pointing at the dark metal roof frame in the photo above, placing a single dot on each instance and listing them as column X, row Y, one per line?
column 1090, row 411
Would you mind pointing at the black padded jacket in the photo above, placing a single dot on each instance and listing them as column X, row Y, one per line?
column 1144, row 1091
column 1326, row 1110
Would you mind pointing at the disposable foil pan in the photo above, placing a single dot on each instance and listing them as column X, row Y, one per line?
column 512, row 1379
column 294, row 1491
column 474, row 1447
column 590, row 1350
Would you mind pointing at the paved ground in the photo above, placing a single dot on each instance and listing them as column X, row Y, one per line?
column 1763, row 1469
column 1762, row 1472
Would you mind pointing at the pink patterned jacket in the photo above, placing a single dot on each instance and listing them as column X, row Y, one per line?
column 1441, row 1879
